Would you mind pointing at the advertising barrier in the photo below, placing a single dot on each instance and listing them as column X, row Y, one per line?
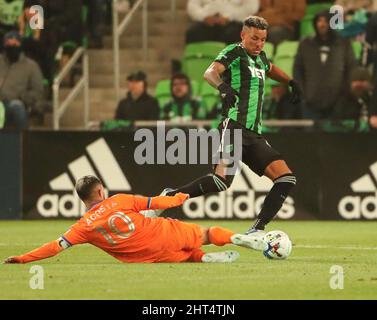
column 336, row 176
column 10, row 173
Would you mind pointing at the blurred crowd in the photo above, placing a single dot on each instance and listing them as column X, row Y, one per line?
column 339, row 82
column 31, row 57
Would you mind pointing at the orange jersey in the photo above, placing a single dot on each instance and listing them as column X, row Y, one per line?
column 116, row 226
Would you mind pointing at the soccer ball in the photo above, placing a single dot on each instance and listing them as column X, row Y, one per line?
column 279, row 245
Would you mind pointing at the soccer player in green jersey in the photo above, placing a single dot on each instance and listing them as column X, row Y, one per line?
column 239, row 73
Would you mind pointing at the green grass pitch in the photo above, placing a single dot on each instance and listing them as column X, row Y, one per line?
column 85, row 272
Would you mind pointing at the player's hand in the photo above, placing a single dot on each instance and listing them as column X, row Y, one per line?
column 12, row 260
column 182, row 196
column 296, row 92
column 228, row 95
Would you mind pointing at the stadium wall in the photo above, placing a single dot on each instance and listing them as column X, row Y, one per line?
column 337, row 176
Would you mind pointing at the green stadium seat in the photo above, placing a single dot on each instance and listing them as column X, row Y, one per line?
column 357, row 49
column 285, row 63
column 198, row 56
column 203, row 49
column 306, row 27
column 162, row 92
column 269, row 49
column 287, row 49
column 195, row 67
column 313, row 9
column 210, row 96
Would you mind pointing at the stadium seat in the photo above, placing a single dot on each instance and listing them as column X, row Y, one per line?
column 162, row 92
column 357, row 49
column 285, row 63
column 287, row 49
column 313, row 9
column 203, row 49
column 209, row 95
column 269, row 49
column 198, row 56
column 285, row 56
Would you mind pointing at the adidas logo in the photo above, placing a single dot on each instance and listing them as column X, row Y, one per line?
column 355, row 207
column 98, row 161
column 242, row 200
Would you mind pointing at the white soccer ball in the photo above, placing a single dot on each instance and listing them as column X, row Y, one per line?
column 279, row 245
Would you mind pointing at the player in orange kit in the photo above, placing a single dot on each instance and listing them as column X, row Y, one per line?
column 116, row 226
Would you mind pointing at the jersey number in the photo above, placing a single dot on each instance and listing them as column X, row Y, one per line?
column 115, row 230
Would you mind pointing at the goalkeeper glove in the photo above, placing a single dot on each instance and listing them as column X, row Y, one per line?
column 228, row 95
column 296, row 94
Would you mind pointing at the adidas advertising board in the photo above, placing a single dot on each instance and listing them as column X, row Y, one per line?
column 349, row 177
column 333, row 182
column 364, row 203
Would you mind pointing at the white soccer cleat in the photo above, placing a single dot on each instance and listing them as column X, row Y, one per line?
column 253, row 241
column 220, row 257
column 155, row 213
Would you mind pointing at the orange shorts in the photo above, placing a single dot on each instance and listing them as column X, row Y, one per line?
column 184, row 240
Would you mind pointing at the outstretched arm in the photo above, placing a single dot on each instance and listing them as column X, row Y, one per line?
column 160, row 202
column 46, row 251
column 75, row 235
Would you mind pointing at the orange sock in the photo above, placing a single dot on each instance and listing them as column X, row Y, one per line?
column 219, row 236
column 196, row 255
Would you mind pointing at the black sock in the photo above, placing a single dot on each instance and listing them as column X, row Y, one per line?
column 274, row 200
column 207, row 184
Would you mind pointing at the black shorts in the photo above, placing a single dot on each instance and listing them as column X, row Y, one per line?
column 257, row 153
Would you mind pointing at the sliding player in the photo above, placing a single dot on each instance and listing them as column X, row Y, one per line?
column 116, row 226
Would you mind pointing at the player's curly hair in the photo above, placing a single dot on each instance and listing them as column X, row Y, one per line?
column 256, row 22
column 84, row 186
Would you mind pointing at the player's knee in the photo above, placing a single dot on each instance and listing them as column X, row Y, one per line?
column 288, row 179
column 222, row 183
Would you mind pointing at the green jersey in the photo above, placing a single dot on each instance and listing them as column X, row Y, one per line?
column 246, row 75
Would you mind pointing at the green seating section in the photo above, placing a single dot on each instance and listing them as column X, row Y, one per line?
column 198, row 57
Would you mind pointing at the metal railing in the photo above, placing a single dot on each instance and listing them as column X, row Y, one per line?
column 119, row 28
column 83, row 84
column 208, row 123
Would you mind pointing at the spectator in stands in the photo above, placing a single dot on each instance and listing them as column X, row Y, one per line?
column 182, row 107
column 63, row 32
column 96, row 20
column 283, row 18
column 9, row 13
column 279, row 106
column 30, row 37
column 21, row 82
column 323, row 66
column 356, row 16
column 357, row 103
column 138, row 105
column 371, row 39
column 218, row 20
